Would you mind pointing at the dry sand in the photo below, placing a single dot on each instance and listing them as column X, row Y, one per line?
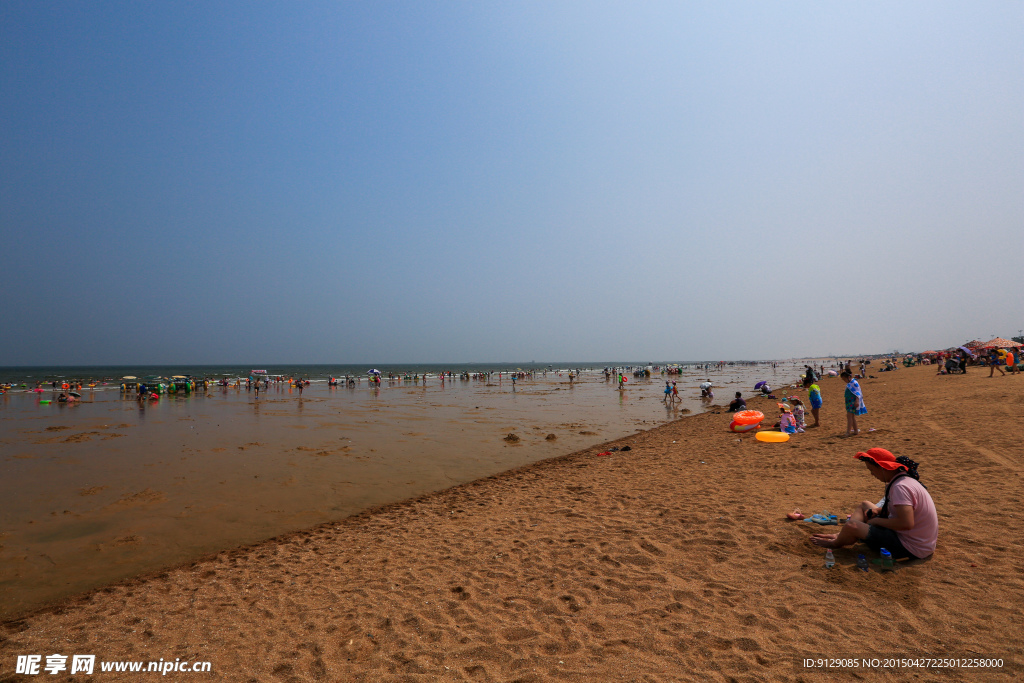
column 669, row 562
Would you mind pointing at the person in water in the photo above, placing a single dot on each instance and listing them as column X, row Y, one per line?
column 904, row 523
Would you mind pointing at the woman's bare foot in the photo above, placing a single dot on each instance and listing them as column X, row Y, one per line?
column 825, row 540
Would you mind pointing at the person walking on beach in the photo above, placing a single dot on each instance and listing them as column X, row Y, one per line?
column 993, row 361
column 854, row 403
column 668, row 393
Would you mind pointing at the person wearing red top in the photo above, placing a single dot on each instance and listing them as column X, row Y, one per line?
column 905, row 523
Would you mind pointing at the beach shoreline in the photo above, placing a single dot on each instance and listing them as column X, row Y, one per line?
column 111, row 487
column 669, row 561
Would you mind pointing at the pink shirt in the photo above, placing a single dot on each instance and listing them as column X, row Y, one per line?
column 920, row 540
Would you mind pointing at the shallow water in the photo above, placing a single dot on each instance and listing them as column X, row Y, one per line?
column 110, row 488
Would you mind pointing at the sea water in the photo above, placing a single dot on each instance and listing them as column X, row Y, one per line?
column 111, row 487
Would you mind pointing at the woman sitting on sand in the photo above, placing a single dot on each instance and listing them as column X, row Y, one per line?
column 905, row 524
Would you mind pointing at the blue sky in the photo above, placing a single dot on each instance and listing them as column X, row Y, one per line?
column 432, row 182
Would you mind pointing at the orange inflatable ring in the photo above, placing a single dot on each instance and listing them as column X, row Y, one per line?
column 740, row 429
column 748, row 417
column 772, row 437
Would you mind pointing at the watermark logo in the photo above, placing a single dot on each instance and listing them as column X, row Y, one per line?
column 33, row 665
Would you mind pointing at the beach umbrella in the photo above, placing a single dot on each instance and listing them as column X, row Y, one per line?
column 967, row 351
column 760, row 384
column 999, row 343
column 707, row 385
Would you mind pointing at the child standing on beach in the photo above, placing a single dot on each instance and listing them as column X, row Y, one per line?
column 854, row 403
column 814, row 395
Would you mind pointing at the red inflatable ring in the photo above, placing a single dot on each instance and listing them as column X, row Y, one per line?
column 748, row 417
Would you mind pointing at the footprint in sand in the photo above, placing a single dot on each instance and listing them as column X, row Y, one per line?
column 91, row 491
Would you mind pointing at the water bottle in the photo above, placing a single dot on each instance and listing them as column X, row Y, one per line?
column 886, row 559
column 830, row 559
column 862, row 562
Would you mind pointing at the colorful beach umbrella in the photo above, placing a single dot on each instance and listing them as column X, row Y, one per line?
column 1000, row 343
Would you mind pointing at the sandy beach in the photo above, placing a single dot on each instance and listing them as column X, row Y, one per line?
column 672, row 561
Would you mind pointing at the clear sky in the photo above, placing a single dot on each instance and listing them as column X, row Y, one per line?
column 321, row 182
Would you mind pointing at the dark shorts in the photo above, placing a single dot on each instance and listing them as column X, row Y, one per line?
column 879, row 538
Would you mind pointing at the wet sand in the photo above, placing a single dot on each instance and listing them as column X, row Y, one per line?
column 671, row 561
column 109, row 489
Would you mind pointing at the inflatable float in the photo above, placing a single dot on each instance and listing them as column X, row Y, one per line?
column 746, row 421
column 772, row 437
